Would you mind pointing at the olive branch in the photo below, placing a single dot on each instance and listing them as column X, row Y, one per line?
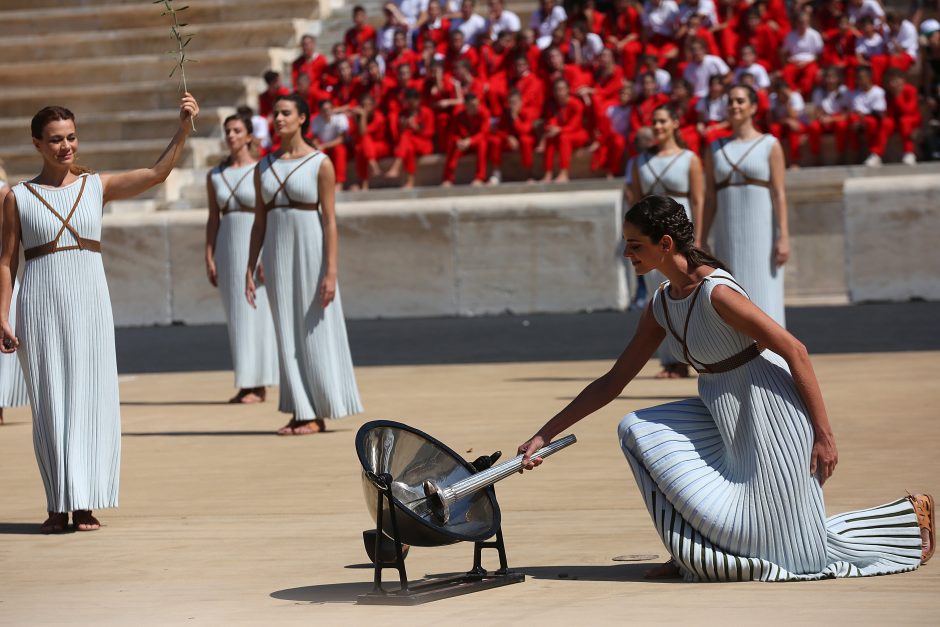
column 182, row 40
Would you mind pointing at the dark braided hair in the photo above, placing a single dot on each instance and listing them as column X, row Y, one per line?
column 54, row 113
column 658, row 216
column 303, row 109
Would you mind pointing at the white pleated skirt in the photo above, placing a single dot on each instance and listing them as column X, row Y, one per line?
column 66, row 333
column 12, row 384
column 317, row 378
column 250, row 330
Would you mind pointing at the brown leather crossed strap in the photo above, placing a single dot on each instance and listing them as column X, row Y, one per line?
column 735, row 167
column 231, row 193
column 53, row 246
column 725, row 365
column 282, row 187
column 658, row 178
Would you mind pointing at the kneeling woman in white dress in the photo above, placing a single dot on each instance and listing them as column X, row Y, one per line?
column 64, row 328
column 732, row 479
column 295, row 221
column 231, row 193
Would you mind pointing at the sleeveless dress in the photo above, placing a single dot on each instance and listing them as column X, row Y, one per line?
column 726, row 476
column 666, row 176
column 250, row 329
column 66, row 334
column 317, row 378
column 744, row 227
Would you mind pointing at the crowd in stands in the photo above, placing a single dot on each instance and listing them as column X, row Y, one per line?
column 440, row 77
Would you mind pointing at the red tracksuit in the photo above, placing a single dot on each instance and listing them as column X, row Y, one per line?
column 569, row 119
column 521, row 129
column 472, row 127
column 312, row 67
column 373, row 145
column 355, row 38
column 413, row 135
column 902, row 116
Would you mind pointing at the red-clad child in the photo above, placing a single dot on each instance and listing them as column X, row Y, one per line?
column 496, row 57
column 564, row 131
column 401, row 54
column 901, row 38
column 469, row 84
column 649, row 99
column 831, row 102
column 902, row 116
column 623, row 34
column 344, row 94
column 753, row 31
column 310, row 92
column 683, row 102
column 526, row 47
column 370, row 136
column 360, row 32
column 556, row 70
column 266, row 99
column 608, row 80
column 458, row 50
column 428, row 56
column 801, row 50
column 828, row 15
column 442, row 94
column 586, row 11
column 529, row 87
column 868, row 108
column 618, row 130
column 330, row 76
column 412, row 133
column 788, row 118
column 712, row 112
column 393, row 99
column 435, row 26
column 469, row 129
column 839, row 49
column 660, row 19
column 371, row 82
column 870, row 48
column 762, row 115
column 330, row 133
column 514, row 133
column 310, row 62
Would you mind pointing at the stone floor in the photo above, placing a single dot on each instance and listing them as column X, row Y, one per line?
column 222, row 522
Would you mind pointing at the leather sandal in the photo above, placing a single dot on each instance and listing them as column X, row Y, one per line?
column 924, row 509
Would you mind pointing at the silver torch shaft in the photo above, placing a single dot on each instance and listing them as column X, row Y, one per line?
column 441, row 498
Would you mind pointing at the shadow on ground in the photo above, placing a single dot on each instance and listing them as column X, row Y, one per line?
column 19, row 529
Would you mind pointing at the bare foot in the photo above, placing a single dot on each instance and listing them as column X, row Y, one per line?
column 82, row 520
column 409, row 182
column 354, row 187
column 393, row 172
column 374, row 168
column 476, row 183
column 547, row 178
column 310, row 426
column 447, row 183
column 669, row 570
column 562, row 177
column 56, row 523
column 530, row 181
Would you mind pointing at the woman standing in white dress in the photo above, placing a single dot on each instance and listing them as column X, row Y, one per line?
column 64, row 328
column 231, row 193
column 746, row 204
column 732, row 479
column 12, row 384
column 295, row 221
column 672, row 170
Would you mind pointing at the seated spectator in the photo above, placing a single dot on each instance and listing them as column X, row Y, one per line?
column 472, row 25
column 693, row 27
column 754, row 32
column 259, row 129
column 360, row 31
column 368, row 54
column 901, row 37
column 618, row 126
column 828, row 13
column 703, row 8
column 412, row 132
column 586, row 11
column 902, row 116
column 393, row 96
column 556, row 69
column 385, row 38
column 525, row 46
column 839, row 49
column 370, row 135
column 788, row 118
column 405, row 13
column 545, row 20
column 529, row 87
column 501, row 20
column 870, row 48
column 310, row 62
column 660, row 18
column 831, row 108
column 274, row 89
column 310, row 92
column 496, row 58
column 442, row 93
column 370, row 82
column 401, row 54
column 434, row 26
column 713, row 112
column 801, row 49
column 649, row 65
column 330, row 75
column 608, row 81
column 649, row 99
column 868, row 107
column 330, row 134
column 469, row 129
column 428, row 55
column 564, row 131
column 585, row 47
column 458, row 50
column 748, row 64
column 683, row 102
column 345, row 93
column 702, row 67
column 624, row 35
column 762, row 115
column 857, row 9
column 514, row 133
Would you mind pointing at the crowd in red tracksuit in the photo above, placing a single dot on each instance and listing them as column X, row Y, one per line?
column 458, row 79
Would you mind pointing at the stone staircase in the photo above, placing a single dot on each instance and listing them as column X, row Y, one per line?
column 107, row 61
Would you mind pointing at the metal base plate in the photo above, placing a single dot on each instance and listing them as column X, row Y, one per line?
column 440, row 588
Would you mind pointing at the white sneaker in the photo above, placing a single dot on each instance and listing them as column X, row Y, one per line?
column 909, row 159
column 496, row 178
column 873, row 161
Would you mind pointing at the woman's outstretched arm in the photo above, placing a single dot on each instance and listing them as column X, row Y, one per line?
column 129, row 184
column 746, row 317
column 649, row 335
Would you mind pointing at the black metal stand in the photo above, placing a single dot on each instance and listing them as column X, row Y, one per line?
column 435, row 588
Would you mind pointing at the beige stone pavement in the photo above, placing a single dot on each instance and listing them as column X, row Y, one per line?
column 223, row 523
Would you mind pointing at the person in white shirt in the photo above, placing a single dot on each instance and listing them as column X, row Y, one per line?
column 788, row 118
column 901, row 37
column 857, row 9
column 385, row 38
column 871, row 49
column 660, row 23
column 831, row 107
column 702, row 67
column 649, row 64
column 705, row 8
column 801, row 48
column 259, row 127
column 501, row 20
column 712, row 112
column 330, row 133
column 545, row 20
column 584, row 47
column 406, row 12
column 868, row 107
column 472, row 26
column 749, row 65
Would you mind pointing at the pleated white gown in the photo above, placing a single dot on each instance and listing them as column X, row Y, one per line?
column 744, row 226
column 66, row 334
column 250, row 329
column 317, row 378
column 726, row 476
column 12, row 384
column 666, row 176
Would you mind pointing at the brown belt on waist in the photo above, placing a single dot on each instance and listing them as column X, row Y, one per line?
column 82, row 243
column 746, row 181
column 303, row 206
column 239, row 210
column 735, row 361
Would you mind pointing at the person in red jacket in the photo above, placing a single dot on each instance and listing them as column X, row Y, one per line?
column 623, row 34
column 557, row 70
column 458, row 50
column 370, row 136
column 608, row 79
column 902, row 116
column 650, row 99
column 529, row 87
column 564, row 131
column 401, row 54
column 330, row 76
column 756, row 33
column 468, row 133
column 442, row 93
column 683, row 102
column 370, row 82
column 393, row 98
column 345, row 92
column 412, row 133
column 434, row 25
column 496, row 57
column 310, row 62
column 839, row 49
column 360, row 32
column 513, row 132
column 266, row 99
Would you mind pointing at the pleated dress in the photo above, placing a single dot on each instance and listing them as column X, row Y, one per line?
column 317, row 378
column 66, row 332
column 666, row 176
column 250, row 329
column 726, row 476
column 12, row 383
column 744, row 226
